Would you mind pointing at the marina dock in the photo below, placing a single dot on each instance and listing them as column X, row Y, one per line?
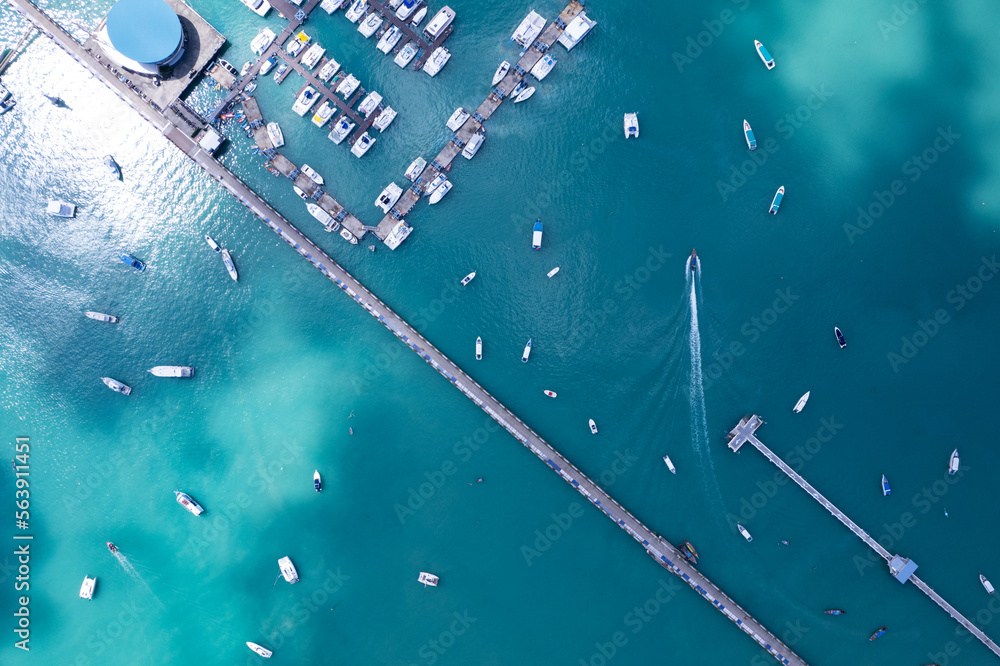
column 425, row 48
column 900, row 568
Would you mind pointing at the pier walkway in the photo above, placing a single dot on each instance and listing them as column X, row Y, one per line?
column 901, row 568
column 424, row 48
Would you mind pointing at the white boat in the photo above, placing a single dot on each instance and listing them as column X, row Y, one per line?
column 268, row 64
column 439, row 23
column 300, row 192
column 525, row 94
column 438, row 194
column 631, row 124
column 953, row 463
column 982, row 579
column 188, row 503
column 100, row 316
column 297, row 43
column 305, row 100
column 776, row 201
column 87, row 589
column 369, row 104
column 529, row 29
column 593, row 427
column 250, row 87
column 543, row 66
column 501, row 72
column 288, row 570
column 313, row 176
column 389, row 39
column 172, row 371
column 212, row 244
column 468, row 278
column 262, row 41
column 405, row 54
column 348, row 236
column 457, row 119
column 317, row 481
column 527, row 352
column 340, row 130
column 536, row 236
column 386, row 116
column 748, row 134
column 312, row 56
column 394, row 4
column 356, row 10
column 230, row 268
column 743, row 531
column 576, row 30
column 764, row 55
column 370, row 24
column 329, row 68
column 438, row 59
column 322, row 216
column 428, row 579
column 362, row 145
column 479, row 349
column 405, row 9
column 58, row 208
column 670, row 465
column 551, row 394
column 388, row 198
column 262, row 651
column 258, row 7
column 116, row 386
column 418, row 17
column 348, row 86
column 434, row 184
column 323, row 115
column 282, row 68
column 475, row 143
column 801, row 403
column 274, row 133
column 416, row 168
column 330, row 6
column 553, row 271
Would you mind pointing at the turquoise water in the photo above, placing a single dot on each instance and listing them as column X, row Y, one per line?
column 286, row 365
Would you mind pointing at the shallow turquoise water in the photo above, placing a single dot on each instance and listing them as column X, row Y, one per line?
column 283, row 360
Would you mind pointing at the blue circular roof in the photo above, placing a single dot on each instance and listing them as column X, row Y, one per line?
column 146, row 31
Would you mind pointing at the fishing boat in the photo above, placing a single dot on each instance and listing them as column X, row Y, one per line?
column 764, row 55
column 744, row 532
column 305, row 101
column 388, row 197
column 631, row 124
column 748, row 133
column 439, row 58
column 323, row 114
column 188, row 503
column 386, row 116
column 370, row 24
column 418, row 17
column 262, row 41
column 689, row 552
column 262, row 651
column 356, row 10
column 327, row 71
column 543, row 66
column 475, row 143
column 275, row 135
column 405, row 54
column 113, row 167
column 428, row 579
column 317, row 481
column 952, row 462
column 100, row 316
column 369, row 104
column 801, row 403
column 536, row 236
column 986, row 584
column 434, row 184
column 878, row 633
column 116, row 386
column 313, row 176
column 268, row 65
column 840, row 337
column 438, row 194
column 776, row 202
column 172, row 371
column 87, row 589
column 288, row 570
column 230, row 268
column 834, row 611
column 312, row 56
column 501, row 72
column 553, row 271
column 551, row 394
column 340, row 130
column 527, row 352
column 525, row 94
column 112, row 547
column 348, row 236
column 885, row 486
column 593, row 427
column 362, row 145
column 59, row 208
column 348, row 86
column 479, row 349
column 670, row 464
column 389, row 39
column 457, row 119
column 468, row 278
column 529, row 29
column 416, row 168
column 282, row 68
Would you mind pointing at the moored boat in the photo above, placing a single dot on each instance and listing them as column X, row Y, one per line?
column 886, row 490
column 576, row 30
column 100, row 316
column 536, row 236
column 322, row 216
column 317, row 481
column 543, row 66
column 405, row 54
column 764, row 55
column 388, row 197
column 593, row 427
column 434, row 184
column 468, row 278
column 834, row 611
column 670, row 464
column 479, row 348
column 840, row 337
column 389, row 39
column 953, row 463
column 340, row 129
column 323, row 114
column 313, row 176
column 744, row 532
column 268, row 65
column 748, row 133
column 288, row 570
column 116, row 386
column 297, row 43
column 371, row 24
column 878, row 633
column 416, row 168
column 282, row 68
column 348, row 236
column 312, row 56
column 439, row 24
column 356, row 10
column 87, row 589
column 551, row 394
column 262, row 651
column 188, row 503
column 348, row 86
column 172, row 371
column 439, row 58
column 438, row 194
column 305, row 100
column 631, row 124
column 529, row 29
column 418, row 17
column 776, row 202
column 525, row 94
column 428, row 579
column 362, row 145
column 501, row 72
column 457, row 119
column 406, row 9
column 369, row 104
column 262, row 41
column 801, row 403
column 258, row 7
column 327, row 71
column 553, row 271
column 385, row 116
column 527, row 352
column 113, row 167
column 275, row 134
column 986, row 584
column 689, row 552
column 475, row 143
column 230, row 267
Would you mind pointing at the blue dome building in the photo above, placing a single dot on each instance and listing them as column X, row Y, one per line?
column 143, row 36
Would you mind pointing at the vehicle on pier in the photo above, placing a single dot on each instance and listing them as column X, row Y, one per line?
column 418, row 17
column 835, row 611
column 362, row 145
column 576, row 30
column 356, row 10
column 87, row 589
column 670, row 464
column 388, row 198
column 631, row 125
column 986, row 584
column 764, row 55
column 878, row 633
column 100, row 316
column 475, row 143
column 212, row 244
column 370, row 24
column 317, row 481
column 268, row 65
column 313, row 176
column 389, row 39
column 593, row 427
column 416, row 168
column 439, row 23
column 230, row 267
column 405, row 54
column 369, row 104
column 262, row 651
column 953, row 463
column 744, row 532
column 748, row 133
column 275, row 135
column 323, row 114
column 428, row 579
column 348, row 86
column 527, row 350
column 479, row 349
column 436, row 183
column 258, row 7
column 776, row 202
column 113, row 167
column 437, row 61
column 543, row 66
column 327, row 71
column 441, row 190
column 341, row 129
column 288, row 570
column 886, row 490
column 188, row 503
column 536, row 236
column 172, row 371
column 689, row 552
column 551, row 394
column 312, row 56
column 59, row 208
column 525, row 94
column 262, row 41
column 349, row 237
column 801, row 403
column 132, row 262
column 840, row 337
column 387, row 115
column 322, row 216
column 406, row 9
column 528, row 30
column 297, row 43
column 468, row 278
column 117, row 387
column 457, row 119
column 282, row 68
column 305, row 101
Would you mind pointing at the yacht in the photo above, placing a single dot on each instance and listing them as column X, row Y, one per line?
column 370, row 24
column 457, row 119
column 388, row 198
column 405, row 54
column 327, row 71
column 172, row 371
column 743, row 531
column 274, row 133
column 348, row 236
column 330, row 6
column 100, row 316
column 801, row 403
column 835, row 611
column 416, row 168
column 369, row 104
column 297, row 43
column 387, row 115
column 525, row 94
column 356, row 10
column 536, row 236
column 479, row 349
column 282, row 68
column 87, row 589
column 116, row 385
column 58, row 208
column 501, row 72
column 776, row 201
column 551, row 394
column 348, row 86
column 475, row 143
column 418, row 17
column 670, row 465
column 305, row 101
column 764, row 55
column 543, row 66
column 553, row 271
column 406, row 9
column 322, row 216
column 438, row 194
column 593, row 427
column 288, row 570
column 428, row 579
column 840, row 337
column 748, row 133
column 439, row 24
column 313, row 176
column 886, row 490
column 362, row 145
column 631, row 125
column 576, row 30
column 527, row 352
column 317, row 481
column 262, row 41
column 878, row 633
column 230, row 268
column 132, row 262
column 529, row 29
column 389, row 39
column 341, row 129
column 468, row 278
column 982, row 579
column 188, row 503
column 312, row 56
column 268, row 65
column 952, row 462
column 436, row 183
column 113, row 167
column 262, row 651
column 323, row 114
column 259, row 7
column 438, row 59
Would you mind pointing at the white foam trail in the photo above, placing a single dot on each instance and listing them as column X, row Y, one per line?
column 134, row 575
column 699, row 421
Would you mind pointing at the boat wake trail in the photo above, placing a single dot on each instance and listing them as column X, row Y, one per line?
column 135, row 575
column 699, row 420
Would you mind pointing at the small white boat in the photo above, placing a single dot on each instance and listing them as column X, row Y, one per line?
column 764, row 55
column 250, row 87
column 525, row 94
column 262, row 41
column 953, row 463
column 288, row 570
column 317, row 481
column 388, row 197
column 348, row 86
column 87, row 589
column 385, row 116
column 389, row 39
column 776, row 202
column 468, row 278
column 457, row 119
column 670, row 465
column 356, row 10
column 434, row 184
column 330, row 6
column 212, row 244
column 362, row 145
column 543, row 66
column 479, row 349
column 340, row 130
column 327, row 71
column 300, row 192
column 536, row 236
column 394, row 4
column 259, row 7
column 275, row 134
column 593, row 427
column 370, row 24
column 501, row 72
column 172, row 371
column 631, row 125
column 188, row 503
column 428, row 579
column 369, row 104
column 405, row 55
column 475, row 143
column 116, row 386
column 58, row 208
column 982, row 579
column 323, row 114
column 527, row 352
column 262, row 651
column 322, row 216
column 100, row 316
column 438, row 194
column 418, row 17
column 416, row 168
column 553, row 271
column 230, row 268
column 268, row 65
column 297, row 43
column 245, row 68
column 437, row 61
column 312, row 56
column 551, row 394
column 801, row 403
column 743, row 531
column 840, row 337
column 348, row 236
column 313, row 176
column 305, row 100
column 278, row 73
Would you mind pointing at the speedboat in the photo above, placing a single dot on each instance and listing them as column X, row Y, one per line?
column 116, row 385
column 348, row 86
column 386, row 116
column 840, row 337
column 312, row 56
column 593, row 427
column 87, row 589
column 543, row 67
column 689, row 552
column 438, row 194
column 551, row 394
column 406, row 9
column 58, row 208
column 437, row 61
column 282, row 68
column 744, row 532
column 405, row 54
column 327, row 71
column 879, row 633
column 369, row 104
column 356, row 10
column 113, row 168
column 300, row 192
column 230, row 268
column 288, row 570
column 370, row 24
column 529, row 29
column 436, row 183
column 418, row 17
column 313, row 176
column 362, row 145
column 475, row 143
column 536, row 236
column 576, row 30
column 323, row 114
column 670, row 464
column 885, row 486
column 439, row 24
column 525, row 94
column 457, row 119
column 389, row 39
column 172, row 371
column 479, row 349
column 776, row 201
column 100, row 316
column 305, row 101
column 297, row 43
column 527, row 352
column 987, row 584
column 416, row 168
column 428, row 579
column 322, row 216
column 262, row 651
column 274, row 133
column 317, row 481
column 388, row 197
column 112, row 547
column 262, row 41
column 835, row 611
column 764, row 55
column 268, row 65
column 501, row 72
column 748, row 133
column 131, row 261
column 341, row 129
column 553, row 271
column 188, row 503
column 801, row 403
column 348, row 236
column 631, row 125
column 693, row 260
column 953, row 463
column 468, row 278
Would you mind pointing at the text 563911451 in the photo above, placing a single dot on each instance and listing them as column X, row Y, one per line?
column 22, row 514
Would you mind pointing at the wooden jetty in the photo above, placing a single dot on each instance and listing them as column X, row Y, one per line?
column 900, row 568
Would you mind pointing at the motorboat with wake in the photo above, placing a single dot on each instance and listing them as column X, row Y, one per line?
column 536, row 236
column 230, row 267
column 551, row 394
column 87, row 589
column 553, row 271
column 188, row 503
column 670, row 464
column 764, row 55
column 744, row 532
column 631, row 125
column 479, row 348
column 112, row 547
column 886, row 490
column 986, row 584
column 288, row 570
column 748, row 133
column 801, row 403
column 468, row 278
column 527, row 352
column 262, row 651
column 952, row 462
column 593, row 427
column 428, row 579
column 100, row 316
column 840, row 337
column 116, row 386
column 501, row 72
column 317, row 481
column 776, row 201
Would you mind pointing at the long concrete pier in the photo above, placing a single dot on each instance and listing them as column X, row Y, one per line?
column 901, row 568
